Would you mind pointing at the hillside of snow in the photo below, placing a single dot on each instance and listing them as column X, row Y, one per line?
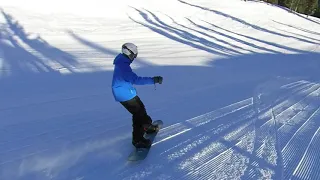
column 240, row 97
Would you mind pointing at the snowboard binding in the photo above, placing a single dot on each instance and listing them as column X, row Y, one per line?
column 149, row 129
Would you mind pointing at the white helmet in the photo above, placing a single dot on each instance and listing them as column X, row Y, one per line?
column 130, row 50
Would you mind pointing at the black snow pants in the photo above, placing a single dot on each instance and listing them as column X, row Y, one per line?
column 140, row 118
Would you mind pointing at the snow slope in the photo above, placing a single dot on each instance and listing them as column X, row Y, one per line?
column 240, row 98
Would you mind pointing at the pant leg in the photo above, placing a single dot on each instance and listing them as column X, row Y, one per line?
column 139, row 116
column 145, row 118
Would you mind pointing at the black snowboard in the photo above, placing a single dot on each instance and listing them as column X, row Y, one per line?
column 141, row 153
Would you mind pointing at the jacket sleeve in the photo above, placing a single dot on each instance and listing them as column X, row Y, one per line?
column 132, row 77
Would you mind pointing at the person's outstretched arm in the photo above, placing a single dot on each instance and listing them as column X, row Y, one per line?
column 132, row 77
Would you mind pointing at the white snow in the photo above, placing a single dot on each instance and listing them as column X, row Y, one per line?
column 227, row 65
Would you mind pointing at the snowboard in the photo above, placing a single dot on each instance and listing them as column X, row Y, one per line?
column 139, row 154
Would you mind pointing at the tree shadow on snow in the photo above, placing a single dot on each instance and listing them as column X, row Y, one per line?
column 298, row 28
column 31, row 68
column 21, row 60
column 209, row 42
column 245, row 22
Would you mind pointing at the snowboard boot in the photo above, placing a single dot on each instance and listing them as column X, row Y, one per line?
column 149, row 129
column 142, row 143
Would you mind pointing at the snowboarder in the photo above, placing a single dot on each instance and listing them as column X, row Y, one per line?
column 124, row 92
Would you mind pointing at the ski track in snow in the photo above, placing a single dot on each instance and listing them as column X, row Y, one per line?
column 272, row 135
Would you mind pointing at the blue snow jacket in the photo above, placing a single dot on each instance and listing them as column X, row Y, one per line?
column 124, row 78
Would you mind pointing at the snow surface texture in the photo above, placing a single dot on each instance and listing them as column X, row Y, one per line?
column 240, row 97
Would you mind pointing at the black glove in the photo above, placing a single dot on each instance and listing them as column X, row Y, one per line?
column 158, row 79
